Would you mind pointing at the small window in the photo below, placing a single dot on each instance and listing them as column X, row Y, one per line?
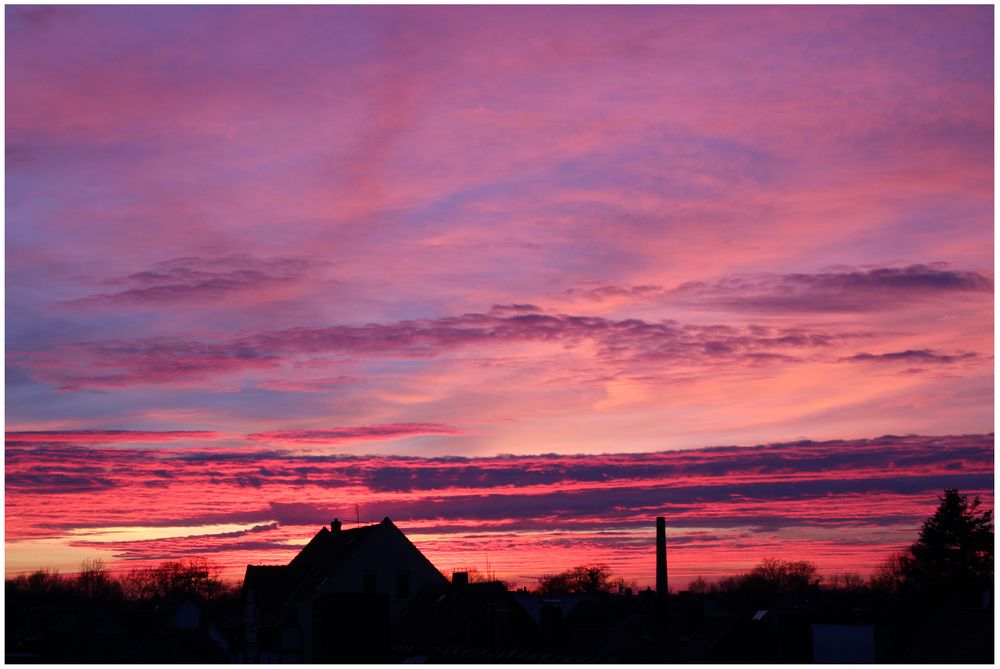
column 402, row 584
column 368, row 583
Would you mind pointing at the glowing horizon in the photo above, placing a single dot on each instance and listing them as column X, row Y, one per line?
column 843, row 505
column 252, row 246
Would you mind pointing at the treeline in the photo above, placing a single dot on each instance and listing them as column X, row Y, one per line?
column 585, row 579
column 97, row 617
column 194, row 577
column 950, row 562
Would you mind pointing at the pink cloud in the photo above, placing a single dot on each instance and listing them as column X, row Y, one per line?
column 698, row 224
column 119, row 363
column 919, row 356
column 108, row 436
column 600, row 293
column 858, row 290
column 860, row 496
column 304, row 385
column 353, row 434
column 184, row 280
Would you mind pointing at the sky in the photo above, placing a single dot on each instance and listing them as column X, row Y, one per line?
column 520, row 278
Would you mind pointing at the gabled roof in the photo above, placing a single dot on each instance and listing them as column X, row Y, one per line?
column 277, row 588
column 327, row 551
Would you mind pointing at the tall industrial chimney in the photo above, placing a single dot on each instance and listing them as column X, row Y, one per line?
column 661, row 556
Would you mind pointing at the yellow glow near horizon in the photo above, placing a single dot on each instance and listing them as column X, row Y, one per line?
column 140, row 533
column 34, row 554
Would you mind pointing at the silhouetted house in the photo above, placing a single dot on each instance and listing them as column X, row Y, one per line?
column 181, row 631
column 645, row 637
column 61, row 627
column 842, row 644
column 334, row 601
column 953, row 636
column 549, row 613
column 448, row 622
column 540, row 607
column 594, row 622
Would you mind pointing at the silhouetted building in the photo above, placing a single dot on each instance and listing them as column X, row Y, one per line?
column 842, row 644
column 447, row 622
column 335, row 599
column 661, row 557
column 954, row 635
column 182, row 632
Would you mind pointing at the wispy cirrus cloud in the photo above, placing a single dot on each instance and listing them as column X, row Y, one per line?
column 922, row 356
column 58, row 482
column 307, row 385
column 121, row 363
column 840, row 291
column 613, row 291
column 821, row 463
column 108, row 436
column 341, row 435
column 860, row 494
column 181, row 547
column 198, row 279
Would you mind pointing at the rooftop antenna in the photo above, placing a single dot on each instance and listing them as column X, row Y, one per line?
column 357, row 514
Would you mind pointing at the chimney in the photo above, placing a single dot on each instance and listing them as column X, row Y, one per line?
column 460, row 579
column 335, row 525
column 661, row 556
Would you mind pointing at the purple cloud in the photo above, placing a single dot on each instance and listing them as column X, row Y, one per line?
column 106, row 436
column 57, row 483
column 601, row 293
column 922, row 356
column 861, row 290
column 197, row 279
column 351, row 434
column 119, row 363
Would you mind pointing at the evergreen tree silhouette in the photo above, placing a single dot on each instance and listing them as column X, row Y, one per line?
column 953, row 557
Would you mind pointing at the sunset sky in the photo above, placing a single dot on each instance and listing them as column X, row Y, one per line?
column 520, row 278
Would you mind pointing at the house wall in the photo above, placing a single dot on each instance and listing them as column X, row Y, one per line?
column 386, row 553
column 250, row 620
column 304, row 617
column 843, row 643
column 187, row 616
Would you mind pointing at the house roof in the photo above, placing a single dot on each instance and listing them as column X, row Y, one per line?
column 277, row 588
column 328, row 550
